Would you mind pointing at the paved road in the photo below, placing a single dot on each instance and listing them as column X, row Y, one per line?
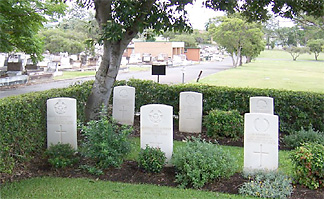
column 173, row 75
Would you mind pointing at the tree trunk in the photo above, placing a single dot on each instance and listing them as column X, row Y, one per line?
column 241, row 60
column 248, row 59
column 104, row 80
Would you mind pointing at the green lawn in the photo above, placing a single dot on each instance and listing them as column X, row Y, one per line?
column 48, row 187
column 274, row 69
column 76, row 74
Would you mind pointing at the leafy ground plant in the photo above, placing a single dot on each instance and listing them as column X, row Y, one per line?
column 200, row 162
column 105, row 142
column 308, row 161
column 151, row 159
column 61, row 155
column 303, row 136
column 267, row 184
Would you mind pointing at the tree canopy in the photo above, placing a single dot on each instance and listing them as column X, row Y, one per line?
column 20, row 21
column 238, row 37
column 120, row 21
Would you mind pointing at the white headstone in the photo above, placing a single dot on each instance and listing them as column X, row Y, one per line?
column 260, row 141
column 62, row 121
column 190, row 112
column 261, row 105
column 124, row 104
column 157, row 128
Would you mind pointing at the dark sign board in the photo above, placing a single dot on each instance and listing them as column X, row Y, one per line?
column 158, row 69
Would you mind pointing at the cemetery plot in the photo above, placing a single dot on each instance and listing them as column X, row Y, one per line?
column 61, row 121
column 260, row 141
column 190, row 112
column 124, row 104
column 157, row 127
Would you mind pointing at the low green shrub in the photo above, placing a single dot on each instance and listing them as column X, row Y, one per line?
column 200, row 162
column 224, row 124
column 308, row 161
column 303, row 136
column 61, row 155
column 92, row 170
column 151, row 159
column 105, row 142
column 269, row 184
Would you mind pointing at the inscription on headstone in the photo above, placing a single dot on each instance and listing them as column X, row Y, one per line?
column 124, row 104
column 261, row 105
column 61, row 121
column 190, row 112
column 157, row 127
column 260, row 141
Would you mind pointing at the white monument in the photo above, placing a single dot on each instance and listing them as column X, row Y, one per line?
column 124, row 104
column 261, row 105
column 190, row 112
column 157, row 128
column 260, row 141
column 62, row 121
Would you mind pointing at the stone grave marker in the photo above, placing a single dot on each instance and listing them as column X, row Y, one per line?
column 260, row 141
column 261, row 104
column 190, row 112
column 62, row 121
column 157, row 128
column 124, row 104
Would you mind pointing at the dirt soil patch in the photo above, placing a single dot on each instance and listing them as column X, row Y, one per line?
column 130, row 173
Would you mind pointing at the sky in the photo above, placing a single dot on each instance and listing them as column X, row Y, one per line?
column 198, row 16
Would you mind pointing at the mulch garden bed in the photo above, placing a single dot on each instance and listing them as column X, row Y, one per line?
column 130, row 173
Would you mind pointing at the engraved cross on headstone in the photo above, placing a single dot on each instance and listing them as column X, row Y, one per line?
column 60, row 132
column 261, row 153
column 123, row 110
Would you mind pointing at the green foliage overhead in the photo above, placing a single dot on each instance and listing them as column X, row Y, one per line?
column 20, row 20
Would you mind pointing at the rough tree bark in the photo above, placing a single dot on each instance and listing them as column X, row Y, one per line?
column 112, row 54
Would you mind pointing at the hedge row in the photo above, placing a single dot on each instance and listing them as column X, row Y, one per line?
column 295, row 109
column 23, row 123
column 23, row 118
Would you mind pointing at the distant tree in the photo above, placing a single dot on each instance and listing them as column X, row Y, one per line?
column 20, row 20
column 239, row 38
column 296, row 51
column 187, row 38
column 58, row 40
column 316, row 46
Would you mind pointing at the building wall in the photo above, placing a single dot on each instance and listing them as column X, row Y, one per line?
column 156, row 48
column 193, row 54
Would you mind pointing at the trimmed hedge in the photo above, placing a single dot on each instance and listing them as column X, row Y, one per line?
column 23, row 118
column 296, row 109
column 23, row 123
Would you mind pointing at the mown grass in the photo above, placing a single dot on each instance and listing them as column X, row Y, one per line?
column 49, row 187
column 77, row 74
column 81, row 188
column 274, row 69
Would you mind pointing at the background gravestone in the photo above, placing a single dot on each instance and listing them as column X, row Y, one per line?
column 62, row 121
column 157, row 128
column 260, row 141
column 190, row 112
column 261, row 104
column 124, row 104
